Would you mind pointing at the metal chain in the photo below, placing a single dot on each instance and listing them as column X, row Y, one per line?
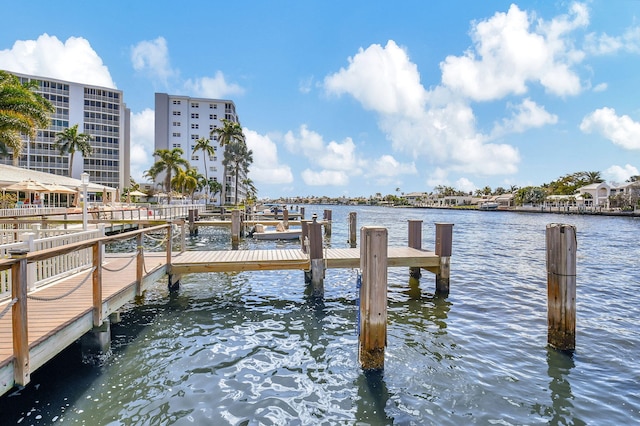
column 5, row 310
column 62, row 296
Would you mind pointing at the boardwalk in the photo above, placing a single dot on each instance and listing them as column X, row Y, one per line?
column 58, row 321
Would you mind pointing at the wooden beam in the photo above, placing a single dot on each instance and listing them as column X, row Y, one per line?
column 20, row 325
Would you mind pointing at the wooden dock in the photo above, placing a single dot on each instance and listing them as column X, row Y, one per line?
column 35, row 327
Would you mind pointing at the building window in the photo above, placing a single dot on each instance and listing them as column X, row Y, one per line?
column 213, row 116
column 213, row 106
column 177, row 124
column 195, row 105
column 177, row 113
column 195, row 157
column 176, row 134
column 176, row 102
column 195, row 137
column 176, row 145
column 195, row 126
column 213, row 169
column 195, row 115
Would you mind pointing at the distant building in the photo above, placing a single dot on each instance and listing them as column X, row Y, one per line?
column 99, row 112
column 181, row 120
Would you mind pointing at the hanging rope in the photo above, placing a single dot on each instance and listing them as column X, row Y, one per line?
column 119, row 269
column 62, row 296
column 6, row 309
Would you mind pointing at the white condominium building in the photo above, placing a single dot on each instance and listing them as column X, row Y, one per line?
column 181, row 120
column 99, row 112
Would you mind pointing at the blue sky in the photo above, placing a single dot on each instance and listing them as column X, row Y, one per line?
column 358, row 97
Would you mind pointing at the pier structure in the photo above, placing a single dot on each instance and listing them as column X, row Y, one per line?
column 35, row 325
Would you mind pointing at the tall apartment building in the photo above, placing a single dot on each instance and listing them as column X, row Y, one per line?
column 99, row 112
column 181, row 120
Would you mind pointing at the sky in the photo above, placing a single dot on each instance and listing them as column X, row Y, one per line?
column 353, row 98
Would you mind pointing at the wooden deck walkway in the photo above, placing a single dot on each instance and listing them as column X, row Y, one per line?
column 54, row 325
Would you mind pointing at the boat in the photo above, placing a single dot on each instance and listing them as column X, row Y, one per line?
column 488, row 205
column 260, row 232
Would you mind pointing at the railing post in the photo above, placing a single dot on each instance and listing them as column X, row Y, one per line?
column 373, row 297
column 32, row 274
column 21, row 370
column 97, row 284
column 444, row 238
column 415, row 241
column 561, row 286
column 316, row 257
column 352, row 229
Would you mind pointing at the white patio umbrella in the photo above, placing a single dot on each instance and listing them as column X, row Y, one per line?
column 28, row 186
column 54, row 188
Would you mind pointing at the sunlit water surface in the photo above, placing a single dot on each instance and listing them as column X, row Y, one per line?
column 254, row 348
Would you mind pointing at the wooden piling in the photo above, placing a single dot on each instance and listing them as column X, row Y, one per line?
column 353, row 229
column 285, row 218
column 327, row 222
column 415, row 241
column 235, row 229
column 561, row 286
column 301, row 213
column 139, row 264
column 193, row 228
column 21, row 369
column 444, row 240
column 316, row 257
column 373, row 297
column 304, row 235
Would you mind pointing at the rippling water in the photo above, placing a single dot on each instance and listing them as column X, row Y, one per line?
column 255, row 348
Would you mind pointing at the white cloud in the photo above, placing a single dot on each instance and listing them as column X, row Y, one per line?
column 332, row 156
column 382, row 79
column 152, row 58
column 74, row 60
column 266, row 168
column 524, row 116
column 212, row 87
column 388, row 166
column 325, row 177
column 507, row 55
column 600, row 87
column 464, row 184
column 620, row 174
column 621, row 130
column 604, row 44
column 142, row 142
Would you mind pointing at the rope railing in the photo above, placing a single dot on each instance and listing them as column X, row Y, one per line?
column 121, row 268
column 62, row 296
column 9, row 306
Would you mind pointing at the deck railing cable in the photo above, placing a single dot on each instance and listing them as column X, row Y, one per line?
column 62, row 296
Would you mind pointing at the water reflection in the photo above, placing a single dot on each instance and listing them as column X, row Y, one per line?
column 373, row 396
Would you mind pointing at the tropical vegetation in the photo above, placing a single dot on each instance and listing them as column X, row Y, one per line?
column 22, row 112
column 170, row 162
column 237, row 158
column 69, row 141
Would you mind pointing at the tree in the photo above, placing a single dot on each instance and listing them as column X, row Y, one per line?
column 237, row 158
column 169, row 162
column 228, row 133
column 186, row 181
column 530, row 195
column 208, row 150
column 252, row 192
column 69, row 141
column 214, row 187
column 21, row 111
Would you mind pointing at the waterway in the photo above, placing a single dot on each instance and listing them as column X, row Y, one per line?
column 254, row 348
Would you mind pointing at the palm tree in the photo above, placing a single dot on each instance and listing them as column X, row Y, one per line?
column 593, row 177
column 208, row 150
column 69, row 141
column 169, row 161
column 228, row 133
column 252, row 192
column 214, row 187
column 21, row 111
column 237, row 159
column 186, row 181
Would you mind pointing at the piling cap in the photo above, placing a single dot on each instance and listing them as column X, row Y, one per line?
column 314, row 217
column 18, row 252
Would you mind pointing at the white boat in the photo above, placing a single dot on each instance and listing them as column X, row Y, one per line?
column 488, row 205
column 260, row 232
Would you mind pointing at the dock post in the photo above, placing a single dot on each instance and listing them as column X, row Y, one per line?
column 373, row 297
column 444, row 238
column 301, row 213
column 285, row 218
column 415, row 241
column 327, row 222
column 21, row 369
column 235, row 229
column 97, row 342
column 174, row 280
column 316, row 257
column 139, row 264
column 352, row 229
column 561, row 286
column 193, row 228
column 97, row 283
